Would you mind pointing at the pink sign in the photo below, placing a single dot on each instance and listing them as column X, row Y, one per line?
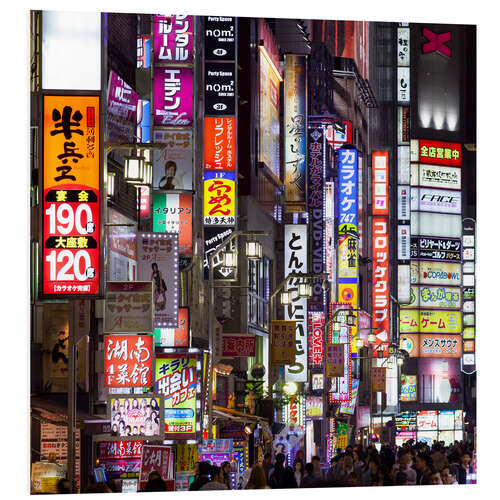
column 122, row 110
column 173, row 96
column 173, row 39
column 238, row 346
column 155, row 458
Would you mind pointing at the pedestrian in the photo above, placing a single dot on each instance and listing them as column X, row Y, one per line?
column 276, row 474
column 401, row 479
column 202, row 478
column 289, row 480
column 423, row 464
column 404, row 465
column 439, row 461
column 298, row 468
column 369, row 475
column 449, row 475
column 226, row 474
column 436, row 478
column 217, row 480
column 464, row 467
column 156, row 483
column 267, row 464
column 308, row 480
column 99, row 488
column 317, row 473
column 257, row 479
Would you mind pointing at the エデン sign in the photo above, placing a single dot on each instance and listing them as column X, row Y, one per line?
column 71, row 174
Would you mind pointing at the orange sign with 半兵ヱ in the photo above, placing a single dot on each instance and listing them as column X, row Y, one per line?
column 71, row 180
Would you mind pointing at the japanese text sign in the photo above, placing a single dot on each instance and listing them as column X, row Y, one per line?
column 435, row 176
column 71, row 177
column 315, row 331
column 293, row 412
column 295, row 133
column 427, row 420
column 435, row 273
column 121, row 117
column 296, row 262
column 335, row 360
column 175, row 337
column 186, row 457
column 136, row 416
column 348, row 408
column 440, row 346
column 408, row 388
column 440, row 153
column 434, row 297
column 380, row 304
column 128, row 360
column 220, row 89
column 176, row 378
column 282, row 342
column 348, row 257
column 214, row 236
column 403, row 46
column 378, row 378
column 220, row 38
column 220, row 134
column 173, row 213
column 128, row 307
column 155, row 458
column 158, row 261
column 237, row 346
column 429, row 321
column 173, row 39
column 173, row 96
column 219, row 198
column 380, row 183
column 348, row 190
column 445, row 249
column 116, row 450
column 314, row 407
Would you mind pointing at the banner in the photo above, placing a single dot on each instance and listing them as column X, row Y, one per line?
column 237, row 346
column 186, row 457
column 173, row 213
column 172, row 96
column 348, row 190
column 429, row 321
column 70, row 203
column 295, row 121
column 219, row 200
column 295, row 240
column 220, row 144
column 220, row 89
column 431, row 345
column 138, row 416
column 436, row 200
column 158, row 261
column 173, row 39
column 283, row 342
column 314, row 407
column 378, row 378
column 128, row 307
column 214, row 236
column 128, row 360
column 176, row 377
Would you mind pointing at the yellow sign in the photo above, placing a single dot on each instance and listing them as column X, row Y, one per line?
column 219, row 198
column 283, row 347
column 429, row 321
column 348, row 294
column 348, row 257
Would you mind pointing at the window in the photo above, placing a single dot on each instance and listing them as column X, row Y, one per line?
column 259, row 292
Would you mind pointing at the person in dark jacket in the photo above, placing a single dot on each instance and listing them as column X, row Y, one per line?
column 276, row 475
column 203, row 476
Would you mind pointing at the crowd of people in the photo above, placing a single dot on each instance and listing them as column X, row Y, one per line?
column 410, row 464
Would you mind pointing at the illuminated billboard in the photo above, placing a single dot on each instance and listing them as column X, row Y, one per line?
column 430, row 321
column 219, row 200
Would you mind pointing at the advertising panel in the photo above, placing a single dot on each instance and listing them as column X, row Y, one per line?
column 220, row 152
column 348, row 294
column 173, row 39
column 410, row 343
column 439, row 152
column 348, row 190
column 444, row 249
column 427, row 420
column 348, row 257
column 335, row 360
column 71, row 176
column 143, row 51
column 314, row 407
column 155, row 458
column 282, row 342
column 175, row 337
column 429, row 321
column 120, row 458
column 403, row 85
column 404, row 202
column 173, row 213
column 440, row 346
column 404, row 165
column 128, row 360
column 293, row 413
column 316, row 207
column 220, row 39
column 406, row 421
column 436, row 176
column 143, row 201
column 122, row 246
column 295, row 239
column 404, row 242
column 128, row 307
column 403, row 283
column 176, row 377
column 214, row 236
column 138, row 416
column 380, row 183
column 436, row 200
column 403, row 125
column 435, row 273
column 408, row 387
column 348, row 408
column 172, row 96
column 269, row 110
column 295, row 122
column 380, row 304
column 143, row 121
column 434, row 297
column 403, row 46
column 378, row 379
column 220, row 87
column 121, row 119
column 469, row 237
column 219, row 198
column 237, row 346
column 316, row 323
column 435, row 224
column 158, row 261
column 439, row 380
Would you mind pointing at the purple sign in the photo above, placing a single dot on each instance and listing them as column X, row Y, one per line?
column 173, row 39
column 173, row 96
column 216, row 458
column 122, row 110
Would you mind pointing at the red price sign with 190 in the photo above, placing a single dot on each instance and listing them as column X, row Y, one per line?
column 71, row 240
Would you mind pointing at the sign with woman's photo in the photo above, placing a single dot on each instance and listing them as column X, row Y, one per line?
column 136, row 416
column 158, row 261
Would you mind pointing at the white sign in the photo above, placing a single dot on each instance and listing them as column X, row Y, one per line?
column 403, row 46
column 403, row 283
column 403, row 242
column 296, row 262
column 436, row 176
column 403, row 165
column 433, row 224
column 436, row 200
column 403, row 85
column 404, row 202
column 436, row 273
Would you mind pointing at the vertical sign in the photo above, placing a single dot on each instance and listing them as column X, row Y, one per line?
column 282, row 342
column 316, row 207
column 469, row 295
column 296, row 262
column 316, row 345
column 378, row 378
column 71, row 177
column 335, row 360
column 173, row 39
column 380, row 183
column 220, row 135
column 295, row 132
column 380, row 304
column 220, row 36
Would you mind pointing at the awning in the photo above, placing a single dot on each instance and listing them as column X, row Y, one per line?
column 237, row 416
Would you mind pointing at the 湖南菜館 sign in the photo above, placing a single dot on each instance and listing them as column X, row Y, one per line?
column 71, row 178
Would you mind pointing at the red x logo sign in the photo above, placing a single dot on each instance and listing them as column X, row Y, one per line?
column 436, row 42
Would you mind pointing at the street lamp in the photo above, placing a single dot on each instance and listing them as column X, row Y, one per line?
column 229, row 259
column 134, row 169
column 305, row 290
column 286, row 298
column 254, row 250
